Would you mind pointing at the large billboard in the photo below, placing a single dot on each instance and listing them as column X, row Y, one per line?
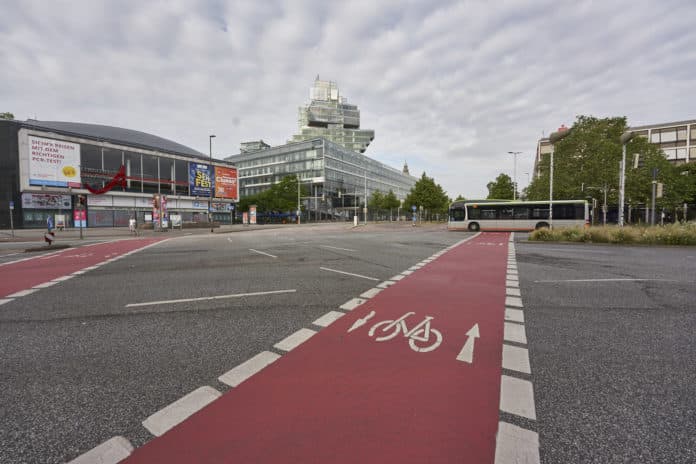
column 226, row 183
column 54, row 163
column 201, row 180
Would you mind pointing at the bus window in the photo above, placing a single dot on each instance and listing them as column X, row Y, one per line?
column 521, row 212
column 505, row 213
column 540, row 213
column 474, row 213
column 488, row 213
column 457, row 214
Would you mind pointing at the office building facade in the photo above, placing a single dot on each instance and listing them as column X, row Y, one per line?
column 329, row 115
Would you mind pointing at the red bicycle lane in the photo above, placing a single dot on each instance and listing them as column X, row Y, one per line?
column 369, row 388
column 23, row 275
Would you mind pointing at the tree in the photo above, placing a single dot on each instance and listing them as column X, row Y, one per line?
column 375, row 202
column 460, row 197
column 428, row 195
column 390, row 202
column 501, row 188
column 280, row 197
column 6, row 115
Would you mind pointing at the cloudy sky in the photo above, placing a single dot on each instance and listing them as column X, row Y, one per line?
column 448, row 86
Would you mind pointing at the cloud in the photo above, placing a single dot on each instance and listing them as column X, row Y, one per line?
column 450, row 87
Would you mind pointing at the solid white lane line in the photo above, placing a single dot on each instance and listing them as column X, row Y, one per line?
column 397, row 277
column 513, row 301
column 166, row 418
column 336, row 248
column 515, row 445
column 22, row 293
column 517, row 397
column 45, row 284
column 516, row 359
column 248, row 368
column 604, row 280
column 63, row 278
column 111, row 451
column 406, row 273
column 263, row 253
column 385, row 284
column 352, row 304
column 79, row 272
column 514, row 333
column 5, row 300
column 512, row 292
column 91, row 268
column 218, row 297
column 349, row 273
column 370, row 293
column 328, row 319
column 514, row 315
column 294, row 340
column 512, row 283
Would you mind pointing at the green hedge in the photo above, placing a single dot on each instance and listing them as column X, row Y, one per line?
column 671, row 234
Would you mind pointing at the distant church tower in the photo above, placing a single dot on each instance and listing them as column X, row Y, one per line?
column 405, row 171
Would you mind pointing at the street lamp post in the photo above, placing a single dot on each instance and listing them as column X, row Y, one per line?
column 553, row 138
column 625, row 138
column 514, row 178
column 210, row 199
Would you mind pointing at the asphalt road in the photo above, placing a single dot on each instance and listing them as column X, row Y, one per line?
column 79, row 367
column 611, row 342
column 612, row 360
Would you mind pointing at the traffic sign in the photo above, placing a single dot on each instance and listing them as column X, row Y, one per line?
column 413, row 208
column 11, row 204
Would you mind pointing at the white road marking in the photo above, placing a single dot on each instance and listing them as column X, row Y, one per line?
column 514, row 315
column 514, row 333
column 5, row 300
column 467, row 352
column 218, row 297
column 352, row 304
column 512, row 277
column 385, row 284
column 415, row 267
column 516, row 359
column 512, row 271
column 166, row 418
column 349, row 273
column 328, row 319
column 604, row 280
column 63, row 278
column 370, row 293
column 512, row 291
column 517, row 397
column 22, row 293
column 512, row 267
column 336, row 248
column 515, row 445
column 361, row 322
column 45, row 284
column 79, row 272
column 397, row 277
column 406, row 273
column 294, row 340
column 91, row 268
column 513, row 301
column 111, row 451
column 248, row 368
column 263, row 253
column 512, row 283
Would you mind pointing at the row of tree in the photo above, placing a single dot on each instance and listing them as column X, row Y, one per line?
column 586, row 164
column 426, row 195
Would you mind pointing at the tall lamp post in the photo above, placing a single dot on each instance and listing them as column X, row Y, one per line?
column 514, row 175
column 212, row 192
column 554, row 138
column 625, row 138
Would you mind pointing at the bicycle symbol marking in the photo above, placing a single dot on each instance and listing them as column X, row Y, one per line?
column 421, row 338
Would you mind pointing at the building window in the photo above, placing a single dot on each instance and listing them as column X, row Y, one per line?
column 681, row 133
column 681, row 153
column 669, row 135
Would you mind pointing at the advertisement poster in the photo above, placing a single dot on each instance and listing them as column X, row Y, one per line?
column 46, row 201
column 252, row 214
column 54, row 162
column 80, row 218
column 200, row 180
column 163, row 211
column 226, row 183
column 245, row 218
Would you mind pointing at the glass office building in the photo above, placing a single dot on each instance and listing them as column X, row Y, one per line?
column 330, row 116
column 339, row 179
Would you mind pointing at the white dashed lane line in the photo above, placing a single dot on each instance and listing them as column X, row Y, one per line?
column 294, row 340
column 111, row 451
column 328, row 269
column 166, row 418
column 328, row 318
column 248, row 368
column 352, row 304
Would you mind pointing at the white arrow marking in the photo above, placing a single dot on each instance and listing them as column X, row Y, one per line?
column 361, row 322
column 467, row 353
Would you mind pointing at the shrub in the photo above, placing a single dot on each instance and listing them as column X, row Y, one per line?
column 543, row 235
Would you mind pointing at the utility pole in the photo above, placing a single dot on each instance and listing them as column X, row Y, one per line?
column 654, row 193
column 625, row 138
column 514, row 178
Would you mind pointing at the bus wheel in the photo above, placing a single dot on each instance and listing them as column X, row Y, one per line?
column 541, row 225
column 474, row 227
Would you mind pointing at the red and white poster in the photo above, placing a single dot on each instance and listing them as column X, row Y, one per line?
column 226, row 183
